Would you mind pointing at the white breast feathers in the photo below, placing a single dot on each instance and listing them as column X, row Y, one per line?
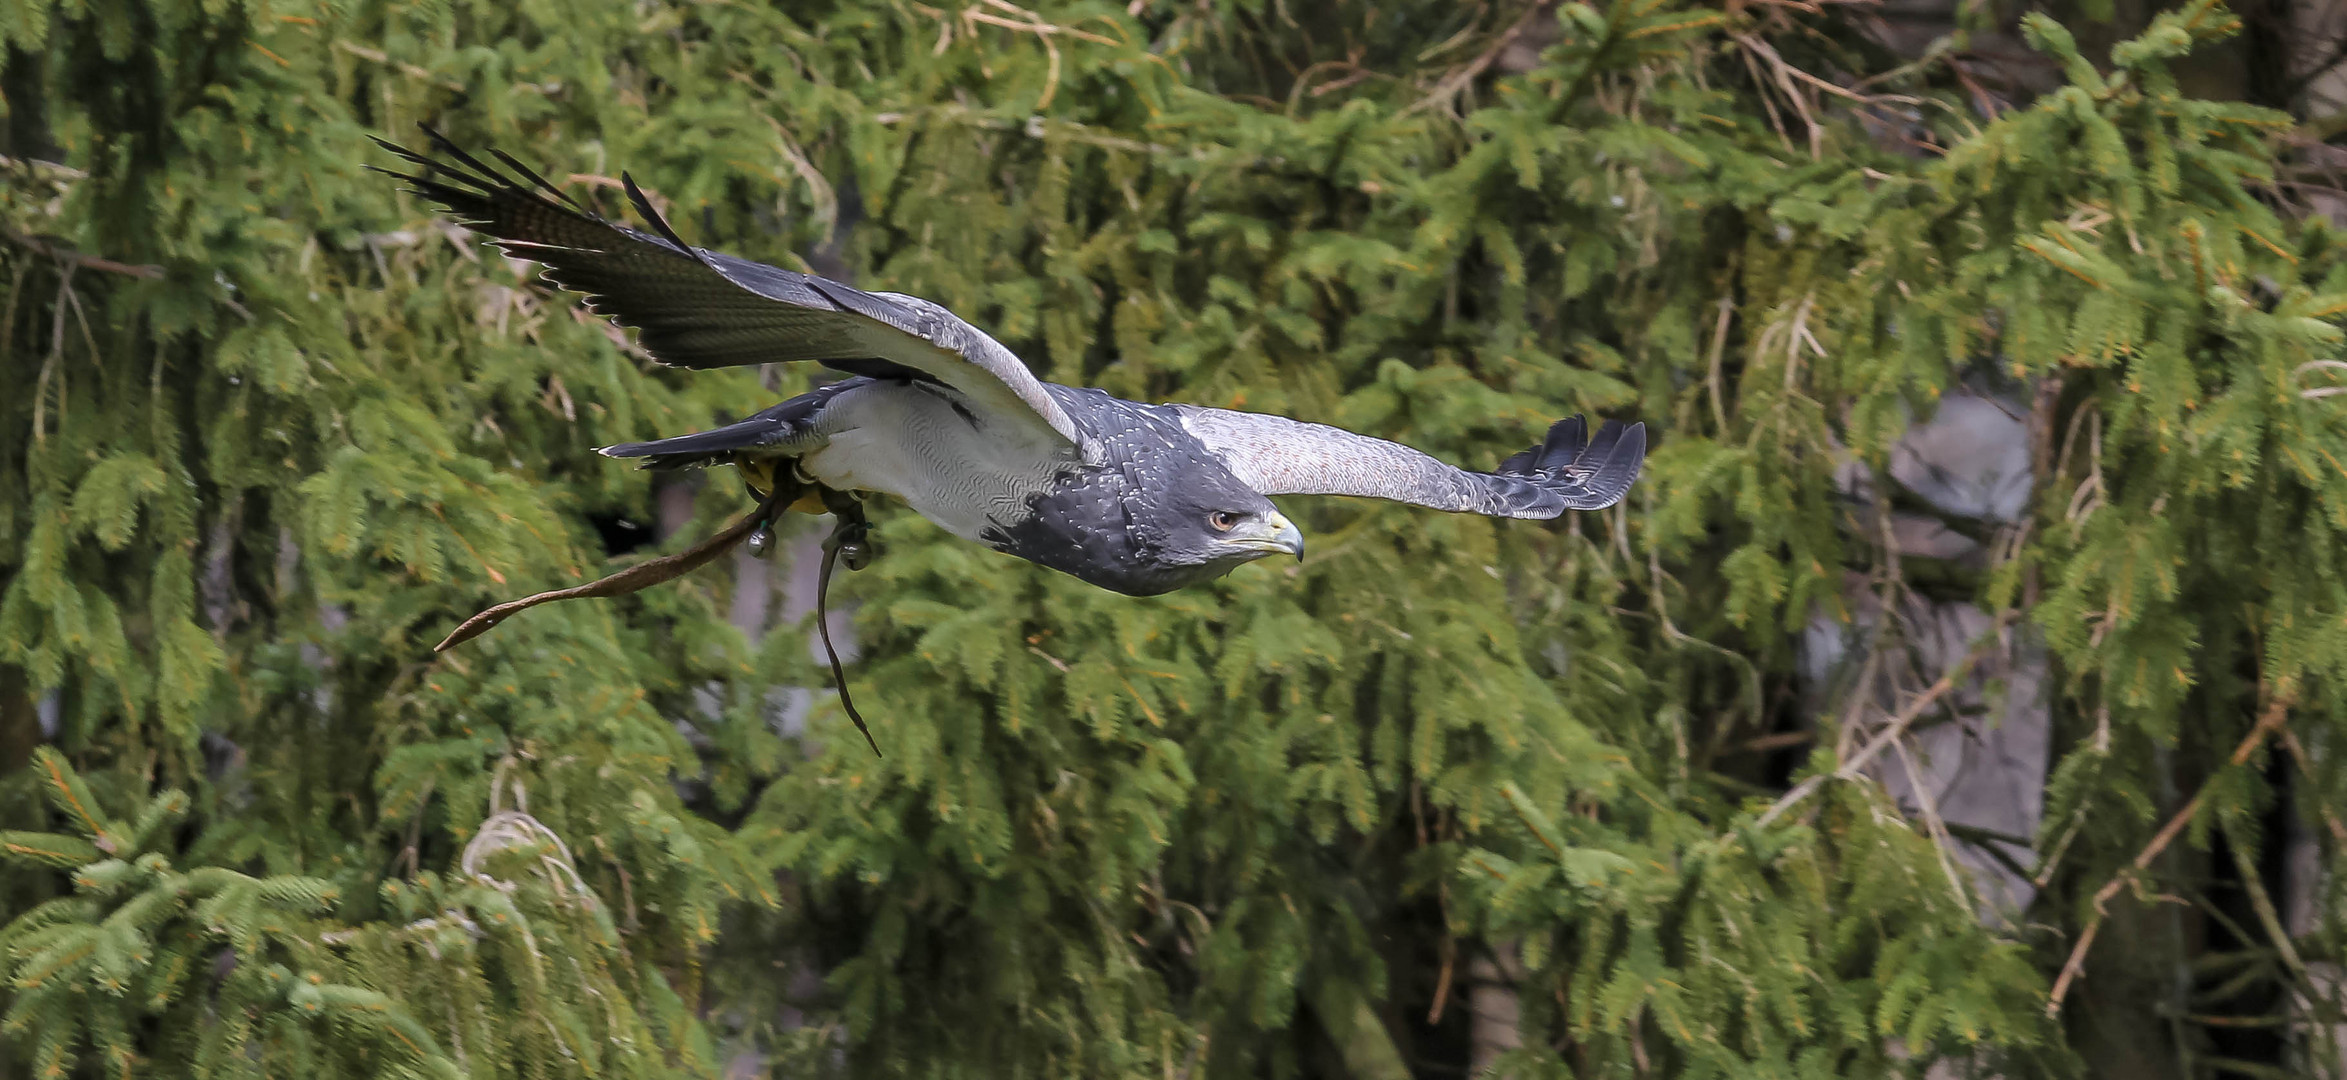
column 947, row 463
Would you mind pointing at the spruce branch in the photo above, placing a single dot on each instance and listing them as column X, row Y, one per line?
column 1360, row 1034
column 2276, row 711
column 1031, row 23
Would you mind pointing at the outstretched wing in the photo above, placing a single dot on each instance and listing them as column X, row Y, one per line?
column 1278, row 456
column 702, row 309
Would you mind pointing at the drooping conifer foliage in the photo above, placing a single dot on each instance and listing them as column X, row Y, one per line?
column 269, row 428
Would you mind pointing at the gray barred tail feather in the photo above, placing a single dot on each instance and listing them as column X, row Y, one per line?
column 785, row 428
column 712, row 447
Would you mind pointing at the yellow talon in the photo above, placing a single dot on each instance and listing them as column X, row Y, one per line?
column 760, row 474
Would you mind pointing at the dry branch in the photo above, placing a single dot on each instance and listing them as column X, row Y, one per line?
column 2276, row 711
column 78, row 259
column 1456, row 81
column 1898, row 726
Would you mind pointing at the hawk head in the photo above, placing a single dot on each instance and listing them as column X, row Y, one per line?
column 1206, row 524
column 1167, row 514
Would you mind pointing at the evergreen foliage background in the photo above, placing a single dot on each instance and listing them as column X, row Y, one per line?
column 270, row 427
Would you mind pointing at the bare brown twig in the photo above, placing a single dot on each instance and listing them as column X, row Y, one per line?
column 2320, row 365
column 2306, row 769
column 92, row 262
column 2276, row 712
column 1784, row 83
column 1898, row 725
column 1456, row 81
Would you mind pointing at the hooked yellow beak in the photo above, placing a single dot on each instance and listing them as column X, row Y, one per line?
column 1274, row 533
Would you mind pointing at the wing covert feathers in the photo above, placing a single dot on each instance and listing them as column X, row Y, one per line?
column 697, row 308
column 1567, row 471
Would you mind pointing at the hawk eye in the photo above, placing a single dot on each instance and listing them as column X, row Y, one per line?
column 1222, row 520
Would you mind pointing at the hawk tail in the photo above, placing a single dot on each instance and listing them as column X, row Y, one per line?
column 787, row 429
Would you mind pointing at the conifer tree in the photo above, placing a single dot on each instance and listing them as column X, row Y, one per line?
column 272, row 427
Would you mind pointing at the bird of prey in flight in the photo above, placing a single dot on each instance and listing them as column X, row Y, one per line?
column 1140, row 499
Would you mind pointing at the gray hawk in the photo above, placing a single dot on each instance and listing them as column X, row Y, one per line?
column 1140, row 499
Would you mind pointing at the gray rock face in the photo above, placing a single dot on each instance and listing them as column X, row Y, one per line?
column 1971, row 459
column 1974, row 771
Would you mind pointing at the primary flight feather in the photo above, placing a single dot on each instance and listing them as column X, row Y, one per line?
column 1140, row 499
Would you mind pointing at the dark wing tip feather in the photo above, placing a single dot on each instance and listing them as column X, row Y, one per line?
column 1614, row 458
column 474, row 172
column 1583, row 472
column 1588, row 459
column 396, row 149
column 449, row 146
column 659, row 224
column 1562, row 446
column 544, row 185
column 695, row 308
column 483, row 194
column 1566, row 437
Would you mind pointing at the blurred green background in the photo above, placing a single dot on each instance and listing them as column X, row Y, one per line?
column 1958, row 694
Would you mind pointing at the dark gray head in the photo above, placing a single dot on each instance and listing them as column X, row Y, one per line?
column 1162, row 512
column 1201, row 524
